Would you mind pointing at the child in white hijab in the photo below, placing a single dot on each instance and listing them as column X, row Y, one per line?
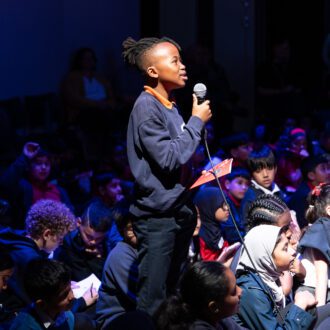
column 258, row 275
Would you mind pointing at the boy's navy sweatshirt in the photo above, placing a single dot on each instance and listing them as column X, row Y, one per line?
column 159, row 146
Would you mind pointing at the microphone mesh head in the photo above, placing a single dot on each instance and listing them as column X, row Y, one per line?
column 200, row 90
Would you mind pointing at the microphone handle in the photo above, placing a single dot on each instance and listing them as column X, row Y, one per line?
column 200, row 100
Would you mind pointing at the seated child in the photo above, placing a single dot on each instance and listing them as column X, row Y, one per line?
column 237, row 146
column 6, row 271
column 262, row 298
column 271, row 210
column 117, row 294
column 315, row 243
column 237, row 183
column 85, row 249
column 262, row 166
column 47, row 223
column 24, row 189
column 315, row 170
column 47, row 283
column 108, row 188
column 289, row 175
column 212, row 210
column 207, row 298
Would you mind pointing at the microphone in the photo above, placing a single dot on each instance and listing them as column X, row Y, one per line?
column 200, row 91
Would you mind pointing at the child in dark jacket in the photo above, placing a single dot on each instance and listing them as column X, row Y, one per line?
column 47, row 283
column 85, row 249
column 26, row 181
column 213, row 210
column 262, row 166
column 315, row 170
column 47, row 223
column 207, row 298
column 6, row 271
column 262, row 297
column 118, row 291
column 237, row 183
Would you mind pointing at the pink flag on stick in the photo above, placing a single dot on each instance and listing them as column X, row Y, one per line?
column 220, row 170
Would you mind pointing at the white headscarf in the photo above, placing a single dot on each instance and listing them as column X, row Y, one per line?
column 261, row 241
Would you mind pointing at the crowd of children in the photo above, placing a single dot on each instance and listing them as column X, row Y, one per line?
column 268, row 227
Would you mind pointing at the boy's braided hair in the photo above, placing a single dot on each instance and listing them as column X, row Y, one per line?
column 265, row 210
column 134, row 51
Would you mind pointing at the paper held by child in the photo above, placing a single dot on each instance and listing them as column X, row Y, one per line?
column 79, row 288
column 219, row 170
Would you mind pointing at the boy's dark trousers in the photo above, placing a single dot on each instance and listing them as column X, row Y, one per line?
column 163, row 243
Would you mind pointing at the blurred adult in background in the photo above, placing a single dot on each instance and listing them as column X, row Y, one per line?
column 88, row 102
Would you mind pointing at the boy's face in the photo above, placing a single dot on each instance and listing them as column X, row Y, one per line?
column 238, row 187
column 52, row 241
column 90, row 237
column 166, row 66
column 4, row 277
column 242, row 152
column 299, row 144
column 264, row 177
column 40, row 168
column 112, row 192
column 320, row 174
column 62, row 302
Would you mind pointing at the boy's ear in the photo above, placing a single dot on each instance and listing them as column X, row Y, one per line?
column 213, row 307
column 46, row 235
column 152, row 72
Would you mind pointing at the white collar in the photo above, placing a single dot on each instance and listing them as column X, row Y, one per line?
column 265, row 190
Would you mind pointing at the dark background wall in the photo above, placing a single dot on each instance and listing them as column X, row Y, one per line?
column 38, row 37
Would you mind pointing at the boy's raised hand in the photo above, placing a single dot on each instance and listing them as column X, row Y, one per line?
column 202, row 111
column 30, row 149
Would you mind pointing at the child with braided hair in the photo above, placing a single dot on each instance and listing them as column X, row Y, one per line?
column 271, row 210
column 159, row 148
column 315, row 244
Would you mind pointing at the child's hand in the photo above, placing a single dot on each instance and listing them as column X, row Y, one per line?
column 298, row 268
column 90, row 296
column 30, row 149
column 202, row 110
column 97, row 251
column 305, row 299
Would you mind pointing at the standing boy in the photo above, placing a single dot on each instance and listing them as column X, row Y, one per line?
column 159, row 147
